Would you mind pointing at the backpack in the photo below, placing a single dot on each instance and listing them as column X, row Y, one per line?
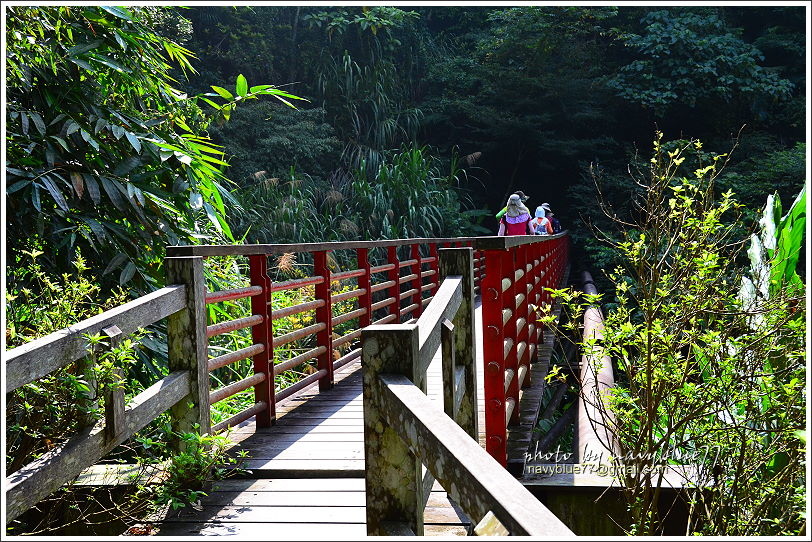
column 556, row 225
column 540, row 225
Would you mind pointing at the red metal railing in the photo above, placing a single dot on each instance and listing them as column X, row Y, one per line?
column 517, row 270
column 394, row 291
column 511, row 271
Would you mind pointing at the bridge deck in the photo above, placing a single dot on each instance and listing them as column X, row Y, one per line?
column 307, row 471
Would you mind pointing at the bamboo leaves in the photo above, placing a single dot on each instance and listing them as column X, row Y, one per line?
column 103, row 148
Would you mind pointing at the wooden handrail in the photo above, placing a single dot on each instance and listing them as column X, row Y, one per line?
column 42, row 356
column 478, row 243
column 404, row 429
column 35, row 481
column 184, row 301
column 471, row 476
column 245, row 250
column 184, row 392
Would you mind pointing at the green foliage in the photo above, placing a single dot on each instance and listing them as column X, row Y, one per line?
column 705, row 378
column 778, row 169
column 113, row 162
column 266, row 139
column 407, row 196
column 687, row 56
column 203, row 459
column 45, row 413
column 367, row 103
column 774, row 252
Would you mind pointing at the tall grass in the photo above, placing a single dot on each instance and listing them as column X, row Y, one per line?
column 405, row 196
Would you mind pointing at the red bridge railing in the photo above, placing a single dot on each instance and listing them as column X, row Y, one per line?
column 395, row 290
column 517, row 271
column 511, row 273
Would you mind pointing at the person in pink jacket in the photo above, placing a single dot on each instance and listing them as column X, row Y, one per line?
column 516, row 220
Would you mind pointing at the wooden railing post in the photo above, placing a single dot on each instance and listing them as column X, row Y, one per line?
column 460, row 261
column 394, row 275
column 324, row 314
column 187, row 346
column 417, row 269
column 394, row 479
column 263, row 334
column 435, row 265
column 365, row 282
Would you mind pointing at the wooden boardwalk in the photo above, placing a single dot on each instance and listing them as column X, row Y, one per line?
column 307, row 471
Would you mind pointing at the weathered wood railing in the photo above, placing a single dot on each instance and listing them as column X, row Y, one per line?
column 184, row 392
column 404, row 430
column 517, row 270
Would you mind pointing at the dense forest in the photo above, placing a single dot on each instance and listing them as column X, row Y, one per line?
column 131, row 129
column 471, row 103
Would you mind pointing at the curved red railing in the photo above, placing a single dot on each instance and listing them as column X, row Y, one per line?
column 517, row 271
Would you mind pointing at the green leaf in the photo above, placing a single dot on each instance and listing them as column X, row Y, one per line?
column 87, row 137
column 126, row 166
column 226, row 110
column 111, row 186
column 242, row 85
column 127, row 273
column 213, row 217
column 38, row 122
column 77, row 50
column 223, row 92
column 118, row 11
column 92, row 188
column 81, row 63
column 211, row 103
column 18, row 186
column 109, row 62
column 71, row 127
column 213, row 160
column 35, row 199
column 62, row 143
column 24, row 122
column 55, row 193
column 120, row 40
column 98, row 231
column 133, row 139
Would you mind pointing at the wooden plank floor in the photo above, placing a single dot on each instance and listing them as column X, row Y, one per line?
column 307, row 471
